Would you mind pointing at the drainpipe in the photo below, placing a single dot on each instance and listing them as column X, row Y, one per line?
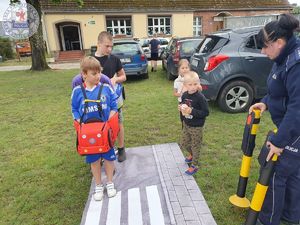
column 45, row 35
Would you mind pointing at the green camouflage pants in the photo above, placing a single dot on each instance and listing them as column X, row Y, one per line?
column 191, row 141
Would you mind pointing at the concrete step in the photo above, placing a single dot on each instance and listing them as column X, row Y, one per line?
column 69, row 56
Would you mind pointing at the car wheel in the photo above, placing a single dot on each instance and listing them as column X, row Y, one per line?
column 146, row 75
column 235, row 97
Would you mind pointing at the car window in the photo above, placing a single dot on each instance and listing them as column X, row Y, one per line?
column 163, row 41
column 144, row 42
column 251, row 44
column 173, row 47
column 170, row 43
column 212, row 43
column 188, row 47
column 125, row 48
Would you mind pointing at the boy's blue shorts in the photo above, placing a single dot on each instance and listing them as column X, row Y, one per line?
column 109, row 156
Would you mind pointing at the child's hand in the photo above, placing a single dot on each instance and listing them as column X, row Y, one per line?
column 179, row 108
column 113, row 80
column 76, row 124
column 176, row 93
column 185, row 110
column 199, row 87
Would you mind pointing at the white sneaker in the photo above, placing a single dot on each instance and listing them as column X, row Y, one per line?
column 111, row 191
column 98, row 194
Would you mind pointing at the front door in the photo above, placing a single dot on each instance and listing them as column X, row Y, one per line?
column 70, row 37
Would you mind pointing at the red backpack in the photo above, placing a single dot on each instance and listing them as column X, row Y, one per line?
column 95, row 136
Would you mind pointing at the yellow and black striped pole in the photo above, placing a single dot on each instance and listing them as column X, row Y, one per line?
column 248, row 145
column 267, row 170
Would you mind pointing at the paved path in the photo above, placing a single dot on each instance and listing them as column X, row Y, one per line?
column 152, row 189
column 57, row 66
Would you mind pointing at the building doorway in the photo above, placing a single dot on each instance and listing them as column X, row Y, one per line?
column 69, row 35
column 219, row 20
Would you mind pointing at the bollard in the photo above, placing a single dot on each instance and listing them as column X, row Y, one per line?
column 267, row 170
column 248, row 145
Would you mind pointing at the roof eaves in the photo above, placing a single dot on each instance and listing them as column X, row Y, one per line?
column 244, row 9
column 161, row 10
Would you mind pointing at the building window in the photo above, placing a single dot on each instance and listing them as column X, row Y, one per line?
column 159, row 25
column 197, row 26
column 119, row 26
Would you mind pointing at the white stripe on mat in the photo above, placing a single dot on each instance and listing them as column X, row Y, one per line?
column 114, row 210
column 93, row 213
column 155, row 210
column 134, row 207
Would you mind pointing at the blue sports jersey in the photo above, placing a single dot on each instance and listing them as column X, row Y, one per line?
column 108, row 101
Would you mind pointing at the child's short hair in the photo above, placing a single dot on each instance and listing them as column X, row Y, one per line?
column 182, row 61
column 191, row 76
column 103, row 35
column 90, row 63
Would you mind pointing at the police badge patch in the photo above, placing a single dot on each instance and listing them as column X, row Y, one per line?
column 20, row 21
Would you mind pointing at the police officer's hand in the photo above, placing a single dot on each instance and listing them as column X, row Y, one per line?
column 273, row 150
column 261, row 106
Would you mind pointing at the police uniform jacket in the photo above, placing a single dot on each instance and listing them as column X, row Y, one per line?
column 283, row 97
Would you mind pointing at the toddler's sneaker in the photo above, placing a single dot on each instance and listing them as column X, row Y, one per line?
column 189, row 159
column 191, row 170
column 111, row 191
column 98, row 194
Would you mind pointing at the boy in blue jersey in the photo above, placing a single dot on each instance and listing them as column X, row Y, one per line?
column 91, row 69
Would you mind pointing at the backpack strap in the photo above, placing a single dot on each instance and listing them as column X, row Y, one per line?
column 86, row 101
column 99, row 100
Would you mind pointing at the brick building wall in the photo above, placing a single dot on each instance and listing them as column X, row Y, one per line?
column 209, row 25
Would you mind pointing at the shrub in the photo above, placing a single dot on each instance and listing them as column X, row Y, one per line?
column 5, row 48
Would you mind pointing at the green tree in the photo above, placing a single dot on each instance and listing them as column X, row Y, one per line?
column 296, row 10
column 36, row 40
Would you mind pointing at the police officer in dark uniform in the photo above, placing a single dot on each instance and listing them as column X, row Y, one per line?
column 282, row 201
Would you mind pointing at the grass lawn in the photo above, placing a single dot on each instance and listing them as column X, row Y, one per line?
column 43, row 181
column 23, row 61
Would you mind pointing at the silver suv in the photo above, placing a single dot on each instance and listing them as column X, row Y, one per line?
column 144, row 42
column 232, row 69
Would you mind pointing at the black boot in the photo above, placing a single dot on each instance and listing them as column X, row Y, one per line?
column 121, row 154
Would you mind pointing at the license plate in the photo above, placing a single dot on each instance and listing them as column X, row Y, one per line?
column 194, row 62
column 125, row 60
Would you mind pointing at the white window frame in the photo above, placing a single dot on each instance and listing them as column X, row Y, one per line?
column 116, row 25
column 197, row 26
column 161, row 26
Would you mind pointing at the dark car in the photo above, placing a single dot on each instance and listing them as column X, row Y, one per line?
column 232, row 69
column 178, row 48
column 132, row 57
